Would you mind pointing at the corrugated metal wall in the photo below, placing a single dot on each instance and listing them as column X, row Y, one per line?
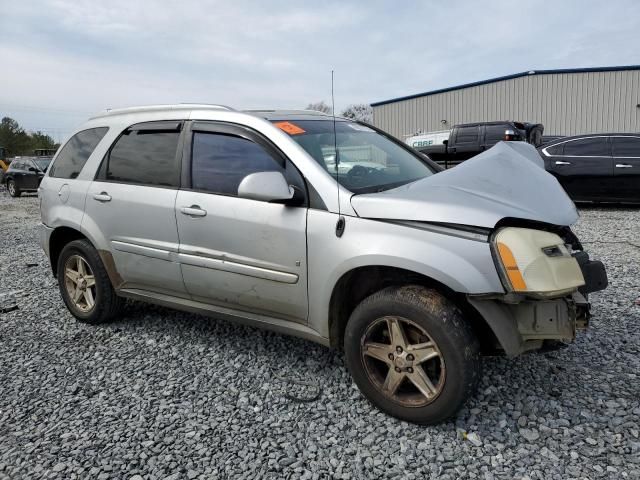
column 566, row 103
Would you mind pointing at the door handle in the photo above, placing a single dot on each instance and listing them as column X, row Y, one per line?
column 193, row 211
column 102, row 197
column 558, row 162
column 623, row 165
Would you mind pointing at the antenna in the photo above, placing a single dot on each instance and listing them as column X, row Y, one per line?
column 341, row 222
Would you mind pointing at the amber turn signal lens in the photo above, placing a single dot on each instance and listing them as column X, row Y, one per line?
column 511, row 267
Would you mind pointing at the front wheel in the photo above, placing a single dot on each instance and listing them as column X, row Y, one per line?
column 412, row 354
column 14, row 191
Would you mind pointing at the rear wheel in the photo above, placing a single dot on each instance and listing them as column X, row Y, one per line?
column 14, row 191
column 412, row 354
column 84, row 284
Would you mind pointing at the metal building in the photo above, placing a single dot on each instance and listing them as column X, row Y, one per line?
column 567, row 102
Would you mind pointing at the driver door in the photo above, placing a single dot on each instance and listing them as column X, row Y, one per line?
column 240, row 253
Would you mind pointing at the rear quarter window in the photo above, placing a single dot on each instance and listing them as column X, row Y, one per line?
column 76, row 152
column 556, row 149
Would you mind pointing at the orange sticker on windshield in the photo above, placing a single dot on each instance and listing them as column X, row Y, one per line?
column 289, row 128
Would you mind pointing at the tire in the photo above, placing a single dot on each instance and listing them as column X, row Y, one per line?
column 14, row 191
column 107, row 305
column 446, row 363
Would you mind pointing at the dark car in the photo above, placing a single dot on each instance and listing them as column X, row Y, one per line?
column 25, row 174
column 601, row 167
column 469, row 139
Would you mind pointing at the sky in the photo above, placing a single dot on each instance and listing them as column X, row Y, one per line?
column 63, row 60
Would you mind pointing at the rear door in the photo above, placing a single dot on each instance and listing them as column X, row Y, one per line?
column 583, row 166
column 626, row 160
column 239, row 253
column 32, row 176
column 467, row 143
column 131, row 204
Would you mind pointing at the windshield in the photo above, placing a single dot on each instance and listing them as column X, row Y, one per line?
column 367, row 160
column 42, row 163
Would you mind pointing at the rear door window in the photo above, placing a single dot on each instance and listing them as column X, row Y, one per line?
column 587, row 147
column 76, row 152
column 144, row 157
column 626, row 147
column 220, row 162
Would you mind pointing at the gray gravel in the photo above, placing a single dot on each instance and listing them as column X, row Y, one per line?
column 164, row 394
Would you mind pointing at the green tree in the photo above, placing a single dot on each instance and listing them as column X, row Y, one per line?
column 42, row 140
column 16, row 141
column 13, row 137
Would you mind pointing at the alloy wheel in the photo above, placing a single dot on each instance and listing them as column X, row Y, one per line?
column 12, row 188
column 80, row 283
column 402, row 361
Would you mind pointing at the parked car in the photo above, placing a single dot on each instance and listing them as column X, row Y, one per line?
column 469, row 139
column 596, row 168
column 25, row 174
column 414, row 271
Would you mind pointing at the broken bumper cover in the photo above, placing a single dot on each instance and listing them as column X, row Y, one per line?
column 522, row 324
column 594, row 273
column 527, row 324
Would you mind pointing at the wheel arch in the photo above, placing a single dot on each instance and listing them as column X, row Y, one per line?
column 360, row 282
column 60, row 237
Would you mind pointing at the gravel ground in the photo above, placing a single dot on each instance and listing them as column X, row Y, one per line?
column 164, row 394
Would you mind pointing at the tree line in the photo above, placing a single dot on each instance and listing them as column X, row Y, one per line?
column 359, row 111
column 17, row 141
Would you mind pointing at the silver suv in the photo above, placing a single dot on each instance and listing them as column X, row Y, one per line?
column 323, row 228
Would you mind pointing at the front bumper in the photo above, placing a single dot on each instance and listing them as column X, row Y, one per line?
column 521, row 324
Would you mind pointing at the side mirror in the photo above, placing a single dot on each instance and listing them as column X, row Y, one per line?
column 265, row 186
column 33, row 169
column 445, row 142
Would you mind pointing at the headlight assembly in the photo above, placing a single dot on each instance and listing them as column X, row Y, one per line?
column 535, row 262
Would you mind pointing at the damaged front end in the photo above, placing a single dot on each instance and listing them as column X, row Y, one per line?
column 505, row 198
column 544, row 320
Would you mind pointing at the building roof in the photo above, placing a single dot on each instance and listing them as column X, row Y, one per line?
column 509, row 77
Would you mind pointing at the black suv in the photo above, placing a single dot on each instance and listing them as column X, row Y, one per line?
column 602, row 167
column 25, row 174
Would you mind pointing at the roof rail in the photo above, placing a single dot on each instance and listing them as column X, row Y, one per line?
column 155, row 108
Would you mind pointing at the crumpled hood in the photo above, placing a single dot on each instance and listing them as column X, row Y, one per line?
column 508, row 180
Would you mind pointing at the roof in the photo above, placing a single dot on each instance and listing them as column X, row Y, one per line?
column 266, row 114
column 509, row 77
column 562, row 139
